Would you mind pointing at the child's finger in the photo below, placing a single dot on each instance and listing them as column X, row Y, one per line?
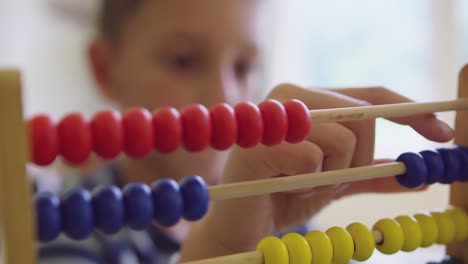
column 292, row 159
column 364, row 130
column 337, row 142
column 365, row 141
column 266, row 162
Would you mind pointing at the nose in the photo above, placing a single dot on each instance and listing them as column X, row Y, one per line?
column 221, row 86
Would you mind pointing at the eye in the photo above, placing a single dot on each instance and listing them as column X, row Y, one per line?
column 181, row 62
column 243, row 68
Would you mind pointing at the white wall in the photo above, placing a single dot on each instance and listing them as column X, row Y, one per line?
column 413, row 47
column 49, row 47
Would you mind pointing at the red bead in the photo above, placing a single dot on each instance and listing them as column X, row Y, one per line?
column 223, row 126
column 167, row 127
column 43, row 140
column 197, row 127
column 250, row 124
column 275, row 122
column 75, row 138
column 138, row 132
column 299, row 122
column 107, row 131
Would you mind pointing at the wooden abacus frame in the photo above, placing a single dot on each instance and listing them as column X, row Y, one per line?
column 17, row 225
column 458, row 191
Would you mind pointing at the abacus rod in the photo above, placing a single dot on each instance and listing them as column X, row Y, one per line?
column 252, row 257
column 302, row 181
column 385, row 111
column 378, row 237
column 256, row 257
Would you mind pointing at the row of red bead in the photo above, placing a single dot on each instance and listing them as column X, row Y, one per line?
column 137, row 132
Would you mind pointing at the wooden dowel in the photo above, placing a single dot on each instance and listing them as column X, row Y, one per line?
column 301, row 181
column 378, row 237
column 256, row 257
column 16, row 213
column 386, row 111
column 252, row 257
column 459, row 191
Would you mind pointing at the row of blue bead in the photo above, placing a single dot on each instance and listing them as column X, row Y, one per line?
column 166, row 202
column 109, row 209
column 444, row 165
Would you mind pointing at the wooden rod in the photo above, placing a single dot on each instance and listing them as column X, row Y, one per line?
column 16, row 213
column 256, row 257
column 378, row 236
column 459, row 191
column 386, row 111
column 252, row 257
column 302, row 181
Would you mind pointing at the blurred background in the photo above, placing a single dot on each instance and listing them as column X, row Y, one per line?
column 413, row 47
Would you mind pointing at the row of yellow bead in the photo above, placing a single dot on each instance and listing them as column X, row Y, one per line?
column 338, row 245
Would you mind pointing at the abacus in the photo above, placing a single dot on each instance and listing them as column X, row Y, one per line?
column 195, row 128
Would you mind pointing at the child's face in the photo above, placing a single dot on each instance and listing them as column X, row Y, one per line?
column 177, row 52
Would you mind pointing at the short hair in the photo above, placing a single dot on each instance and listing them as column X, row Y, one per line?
column 113, row 14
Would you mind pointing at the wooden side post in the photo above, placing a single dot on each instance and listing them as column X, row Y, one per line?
column 459, row 191
column 16, row 211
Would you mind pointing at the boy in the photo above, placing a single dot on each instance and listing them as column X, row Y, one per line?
column 178, row 52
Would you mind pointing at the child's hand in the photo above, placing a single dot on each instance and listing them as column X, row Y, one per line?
column 238, row 225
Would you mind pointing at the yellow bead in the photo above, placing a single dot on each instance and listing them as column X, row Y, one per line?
column 298, row 248
column 446, row 227
column 429, row 229
column 411, row 232
column 321, row 246
column 364, row 243
column 343, row 245
column 392, row 236
column 274, row 251
column 460, row 220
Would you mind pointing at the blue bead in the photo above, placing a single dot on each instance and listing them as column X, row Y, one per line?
column 452, row 164
column 77, row 214
column 138, row 206
column 48, row 217
column 108, row 209
column 196, row 197
column 416, row 170
column 167, row 201
column 435, row 166
column 463, row 152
